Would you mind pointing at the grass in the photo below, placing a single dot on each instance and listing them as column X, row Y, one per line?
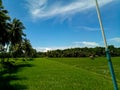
column 57, row 74
column 98, row 65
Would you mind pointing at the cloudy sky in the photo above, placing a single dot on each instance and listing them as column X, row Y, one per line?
column 59, row 24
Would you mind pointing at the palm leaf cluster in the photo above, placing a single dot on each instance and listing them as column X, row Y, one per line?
column 3, row 25
column 12, row 37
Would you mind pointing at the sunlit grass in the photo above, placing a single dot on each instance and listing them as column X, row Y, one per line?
column 98, row 65
column 58, row 74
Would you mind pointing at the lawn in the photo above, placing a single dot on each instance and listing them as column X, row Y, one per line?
column 59, row 74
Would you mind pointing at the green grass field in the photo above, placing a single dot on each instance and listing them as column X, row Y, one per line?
column 98, row 65
column 60, row 74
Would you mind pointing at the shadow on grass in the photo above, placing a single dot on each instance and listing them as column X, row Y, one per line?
column 8, row 74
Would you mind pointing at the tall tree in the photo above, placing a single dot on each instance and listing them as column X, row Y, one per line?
column 16, row 34
column 16, row 31
column 4, row 39
column 4, row 32
column 27, row 48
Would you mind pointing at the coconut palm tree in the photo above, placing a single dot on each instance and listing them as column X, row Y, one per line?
column 27, row 47
column 16, row 32
column 4, row 34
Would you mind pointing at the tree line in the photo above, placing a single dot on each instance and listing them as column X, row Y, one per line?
column 80, row 52
column 13, row 41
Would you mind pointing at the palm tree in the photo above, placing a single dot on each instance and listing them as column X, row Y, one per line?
column 4, row 32
column 27, row 47
column 16, row 32
column 4, row 37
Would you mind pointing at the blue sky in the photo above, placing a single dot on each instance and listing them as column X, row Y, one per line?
column 59, row 24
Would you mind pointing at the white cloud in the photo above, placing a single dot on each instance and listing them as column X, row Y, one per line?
column 116, row 39
column 86, row 44
column 88, row 28
column 42, row 8
column 74, row 45
column 42, row 49
column 45, row 49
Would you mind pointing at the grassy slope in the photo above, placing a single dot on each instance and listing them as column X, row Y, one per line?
column 45, row 74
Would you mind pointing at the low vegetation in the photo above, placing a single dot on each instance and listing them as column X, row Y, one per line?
column 59, row 74
column 97, row 65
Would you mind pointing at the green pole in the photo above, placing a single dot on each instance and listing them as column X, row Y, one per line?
column 107, row 50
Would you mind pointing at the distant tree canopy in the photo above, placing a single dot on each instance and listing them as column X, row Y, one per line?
column 80, row 52
column 13, row 42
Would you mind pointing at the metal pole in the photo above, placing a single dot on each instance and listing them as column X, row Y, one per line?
column 106, row 47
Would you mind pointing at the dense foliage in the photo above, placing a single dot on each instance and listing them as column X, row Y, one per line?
column 13, row 42
column 80, row 52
